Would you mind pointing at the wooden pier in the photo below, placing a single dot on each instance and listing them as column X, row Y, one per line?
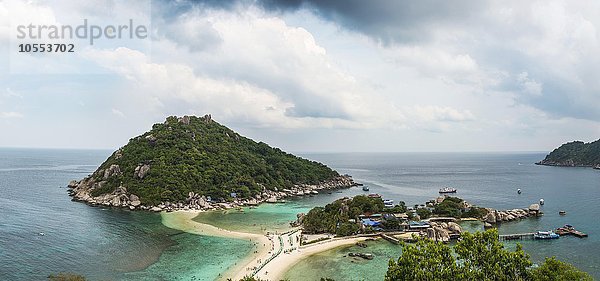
column 390, row 238
column 516, row 236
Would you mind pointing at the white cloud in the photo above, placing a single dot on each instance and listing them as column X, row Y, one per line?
column 10, row 115
column 528, row 85
column 117, row 112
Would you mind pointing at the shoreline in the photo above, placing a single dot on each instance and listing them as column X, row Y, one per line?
column 183, row 220
column 279, row 266
column 285, row 257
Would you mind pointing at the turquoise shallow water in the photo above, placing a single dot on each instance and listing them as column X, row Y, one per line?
column 194, row 257
column 266, row 217
column 111, row 244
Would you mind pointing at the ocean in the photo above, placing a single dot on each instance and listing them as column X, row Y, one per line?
column 112, row 244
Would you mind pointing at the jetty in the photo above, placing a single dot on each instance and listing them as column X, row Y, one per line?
column 392, row 239
column 516, row 236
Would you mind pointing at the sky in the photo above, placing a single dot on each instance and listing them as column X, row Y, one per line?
column 311, row 76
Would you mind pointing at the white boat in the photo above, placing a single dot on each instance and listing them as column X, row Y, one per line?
column 388, row 203
column 546, row 235
column 541, row 201
column 447, row 190
column 365, row 188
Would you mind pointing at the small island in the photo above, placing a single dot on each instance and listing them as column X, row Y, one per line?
column 574, row 154
column 195, row 163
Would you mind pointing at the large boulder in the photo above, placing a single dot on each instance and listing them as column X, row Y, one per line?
column 490, row 217
column 133, row 197
column 73, row 184
column 141, row 171
column 534, row 207
column 113, row 170
column 454, row 227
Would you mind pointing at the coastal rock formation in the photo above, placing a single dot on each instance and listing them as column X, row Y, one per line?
column 196, row 163
column 113, row 170
column 441, row 231
column 496, row 216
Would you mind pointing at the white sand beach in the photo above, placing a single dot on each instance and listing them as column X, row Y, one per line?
column 285, row 248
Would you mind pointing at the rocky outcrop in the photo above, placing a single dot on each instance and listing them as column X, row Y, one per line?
column 151, row 139
column 113, row 170
column 442, row 231
column 141, row 171
column 82, row 191
column 496, row 216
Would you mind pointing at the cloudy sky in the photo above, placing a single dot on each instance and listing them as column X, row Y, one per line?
column 315, row 76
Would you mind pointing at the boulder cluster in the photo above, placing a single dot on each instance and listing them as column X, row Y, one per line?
column 495, row 216
column 442, row 231
column 120, row 197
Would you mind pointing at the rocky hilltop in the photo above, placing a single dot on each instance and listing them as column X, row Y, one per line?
column 195, row 163
column 574, row 154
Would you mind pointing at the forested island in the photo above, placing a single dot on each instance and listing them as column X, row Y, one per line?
column 195, row 162
column 574, row 154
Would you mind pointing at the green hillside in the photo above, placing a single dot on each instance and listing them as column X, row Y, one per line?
column 575, row 153
column 197, row 154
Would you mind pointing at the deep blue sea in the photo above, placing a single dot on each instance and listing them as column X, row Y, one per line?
column 111, row 244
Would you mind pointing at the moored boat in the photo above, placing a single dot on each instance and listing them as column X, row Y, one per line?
column 546, row 235
column 447, row 190
column 365, row 188
column 388, row 203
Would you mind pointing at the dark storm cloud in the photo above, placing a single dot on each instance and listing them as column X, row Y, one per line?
column 386, row 21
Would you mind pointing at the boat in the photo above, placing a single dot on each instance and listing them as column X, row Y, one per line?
column 365, row 188
column 518, row 191
column 447, row 190
column 546, row 235
column 388, row 203
column 570, row 230
column 542, row 201
column 562, row 213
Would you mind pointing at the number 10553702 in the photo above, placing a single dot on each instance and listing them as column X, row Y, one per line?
column 46, row 48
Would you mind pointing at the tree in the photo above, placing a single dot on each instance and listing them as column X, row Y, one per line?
column 423, row 213
column 484, row 257
column 555, row 270
column 424, row 261
column 480, row 257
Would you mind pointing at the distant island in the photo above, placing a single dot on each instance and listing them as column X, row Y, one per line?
column 195, row 163
column 574, row 154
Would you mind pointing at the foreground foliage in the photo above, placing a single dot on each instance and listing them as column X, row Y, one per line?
column 207, row 158
column 478, row 256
